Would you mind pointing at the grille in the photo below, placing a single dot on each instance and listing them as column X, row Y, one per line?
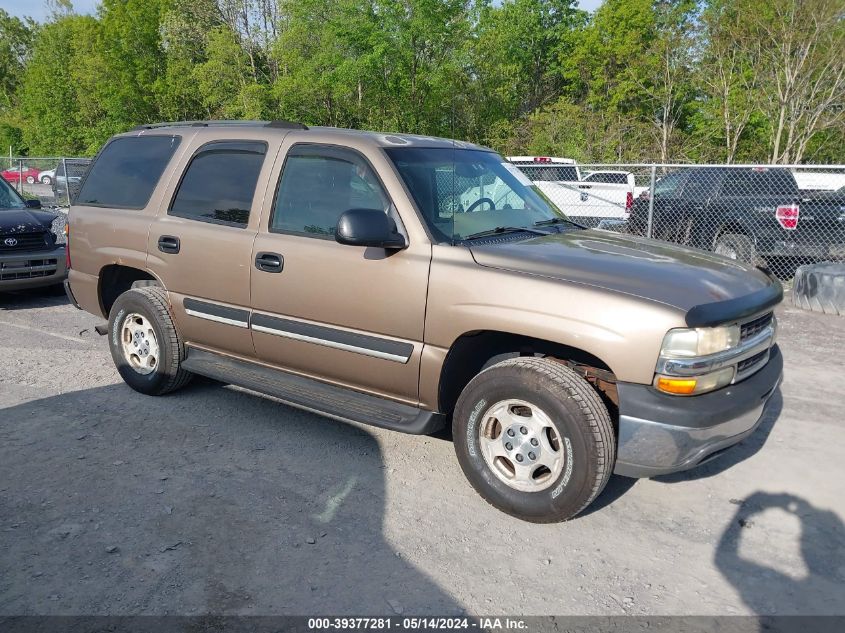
column 25, row 242
column 748, row 363
column 28, row 269
column 752, row 328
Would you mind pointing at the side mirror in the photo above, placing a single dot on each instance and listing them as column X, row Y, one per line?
column 368, row 227
column 33, row 204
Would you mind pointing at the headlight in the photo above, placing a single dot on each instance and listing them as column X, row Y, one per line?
column 690, row 342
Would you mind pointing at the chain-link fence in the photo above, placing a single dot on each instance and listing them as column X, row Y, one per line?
column 53, row 181
column 774, row 216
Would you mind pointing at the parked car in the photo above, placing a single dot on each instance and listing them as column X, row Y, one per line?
column 351, row 274
column 15, row 174
column 590, row 200
column 29, row 254
column 47, row 176
column 66, row 187
column 745, row 213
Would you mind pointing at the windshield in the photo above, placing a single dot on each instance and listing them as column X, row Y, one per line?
column 463, row 192
column 9, row 198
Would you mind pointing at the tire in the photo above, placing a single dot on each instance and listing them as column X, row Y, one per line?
column 46, row 180
column 570, row 407
column 30, row 180
column 820, row 288
column 736, row 246
column 151, row 306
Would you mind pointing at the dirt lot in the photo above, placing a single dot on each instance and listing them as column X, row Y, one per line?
column 217, row 500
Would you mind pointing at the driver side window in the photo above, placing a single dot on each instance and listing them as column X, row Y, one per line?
column 320, row 183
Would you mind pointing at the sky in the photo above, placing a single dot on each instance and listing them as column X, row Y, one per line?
column 37, row 10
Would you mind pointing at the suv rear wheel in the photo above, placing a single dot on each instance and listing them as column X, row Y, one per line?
column 534, row 439
column 144, row 343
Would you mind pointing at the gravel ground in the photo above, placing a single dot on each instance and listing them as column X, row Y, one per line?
column 217, row 500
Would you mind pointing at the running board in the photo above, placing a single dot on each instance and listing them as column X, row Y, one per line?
column 312, row 395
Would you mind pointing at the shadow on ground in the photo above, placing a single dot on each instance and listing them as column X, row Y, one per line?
column 766, row 590
column 33, row 298
column 213, row 502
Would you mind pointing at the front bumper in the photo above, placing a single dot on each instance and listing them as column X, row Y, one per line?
column 660, row 434
column 32, row 269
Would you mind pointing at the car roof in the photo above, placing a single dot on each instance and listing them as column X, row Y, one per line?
column 325, row 134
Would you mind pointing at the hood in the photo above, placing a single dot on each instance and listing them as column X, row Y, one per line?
column 14, row 221
column 673, row 275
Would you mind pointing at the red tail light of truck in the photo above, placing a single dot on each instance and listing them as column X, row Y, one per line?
column 787, row 216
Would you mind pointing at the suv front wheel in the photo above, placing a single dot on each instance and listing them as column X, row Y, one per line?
column 144, row 343
column 534, row 439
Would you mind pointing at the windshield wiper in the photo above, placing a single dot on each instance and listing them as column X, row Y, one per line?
column 503, row 229
column 551, row 221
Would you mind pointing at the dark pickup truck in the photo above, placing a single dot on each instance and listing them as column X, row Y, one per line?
column 745, row 213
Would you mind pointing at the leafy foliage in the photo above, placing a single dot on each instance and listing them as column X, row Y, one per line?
column 638, row 80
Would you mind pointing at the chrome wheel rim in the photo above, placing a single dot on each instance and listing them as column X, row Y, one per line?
column 140, row 347
column 521, row 446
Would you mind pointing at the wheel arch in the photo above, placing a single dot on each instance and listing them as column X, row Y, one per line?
column 115, row 279
column 733, row 226
column 474, row 351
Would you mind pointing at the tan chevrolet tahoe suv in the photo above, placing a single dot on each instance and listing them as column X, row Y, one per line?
column 408, row 282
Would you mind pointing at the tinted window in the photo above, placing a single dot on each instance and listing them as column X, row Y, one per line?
column 759, row 181
column 667, row 185
column 549, row 173
column 701, row 184
column 318, row 184
column 126, row 171
column 612, row 178
column 219, row 183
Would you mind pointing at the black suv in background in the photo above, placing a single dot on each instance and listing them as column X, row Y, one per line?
column 746, row 213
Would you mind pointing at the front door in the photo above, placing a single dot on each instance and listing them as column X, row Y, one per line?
column 348, row 314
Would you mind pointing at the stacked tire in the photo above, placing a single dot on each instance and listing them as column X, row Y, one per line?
column 820, row 288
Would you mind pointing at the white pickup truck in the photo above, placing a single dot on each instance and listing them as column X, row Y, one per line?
column 594, row 199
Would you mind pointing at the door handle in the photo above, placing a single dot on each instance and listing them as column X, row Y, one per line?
column 269, row 262
column 169, row 244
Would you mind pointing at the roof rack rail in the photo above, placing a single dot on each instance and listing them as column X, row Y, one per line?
column 289, row 125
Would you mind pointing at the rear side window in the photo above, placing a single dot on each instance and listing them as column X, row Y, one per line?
column 701, row 184
column 759, row 181
column 127, row 171
column 219, row 183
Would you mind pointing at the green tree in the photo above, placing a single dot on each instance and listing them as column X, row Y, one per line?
column 58, row 100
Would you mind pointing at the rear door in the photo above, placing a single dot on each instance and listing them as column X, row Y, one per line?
column 200, row 244
column 350, row 315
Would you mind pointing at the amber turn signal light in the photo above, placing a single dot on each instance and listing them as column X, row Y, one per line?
column 680, row 386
